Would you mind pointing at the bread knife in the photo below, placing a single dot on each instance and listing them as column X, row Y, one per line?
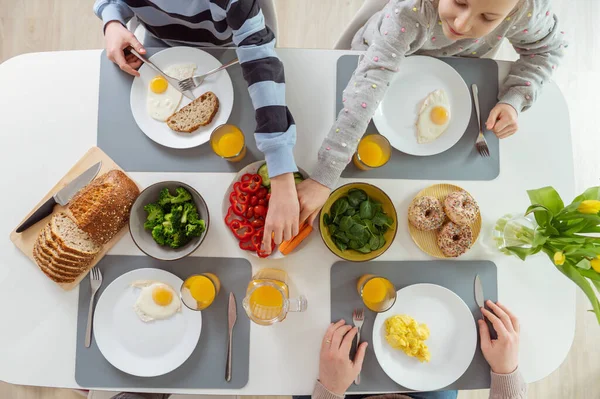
column 62, row 197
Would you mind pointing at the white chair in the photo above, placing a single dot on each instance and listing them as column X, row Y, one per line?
column 370, row 7
column 267, row 7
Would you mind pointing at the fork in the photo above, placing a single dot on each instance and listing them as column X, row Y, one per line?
column 481, row 143
column 195, row 81
column 95, row 282
column 358, row 318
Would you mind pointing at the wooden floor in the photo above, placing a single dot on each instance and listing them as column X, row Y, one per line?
column 47, row 25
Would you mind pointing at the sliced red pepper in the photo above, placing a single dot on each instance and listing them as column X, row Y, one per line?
column 257, row 223
column 230, row 217
column 243, row 198
column 242, row 230
column 237, row 187
column 257, row 238
column 232, row 197
column 249, row 187
column 247, row 246
column 254, row 200
column 240, row 209
column 257, row 179
column 246, row 177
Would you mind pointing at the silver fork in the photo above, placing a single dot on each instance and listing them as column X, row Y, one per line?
column 95, row 282
column 195, row 81
column 358, row 318
column 481, row 143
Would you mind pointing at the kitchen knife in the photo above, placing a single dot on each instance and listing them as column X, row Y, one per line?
column 231, row 318
column 479, row 298
column 62, row 197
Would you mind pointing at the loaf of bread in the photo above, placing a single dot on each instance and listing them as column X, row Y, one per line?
column 199, row 112
column 102, row 208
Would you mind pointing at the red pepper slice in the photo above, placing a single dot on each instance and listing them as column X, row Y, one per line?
column 246, row 177
column 230, row 217
column 257, row 179
column 237, row 187
column 232, row 197
column 242, row 230
column 249, row 187
column 257, row 238
column 262, row 193
column 243, row 198
column 247, row 246
column 240, row 209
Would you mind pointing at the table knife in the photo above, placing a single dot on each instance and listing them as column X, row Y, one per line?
column 479, row 298
column 231, row 318
column 172, row 81
column 62, row 197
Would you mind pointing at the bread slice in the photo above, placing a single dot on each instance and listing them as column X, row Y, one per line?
column 102, row 208
column 53, row 275
column 50, row 255
column 56, row 266
column 50, row 247
column 199, row 112
column 65, row 232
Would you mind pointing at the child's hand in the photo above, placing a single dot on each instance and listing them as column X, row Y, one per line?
column 311, row 195
column 502, row 354
column 117, row 38
column 281, row 223
column 503, row 121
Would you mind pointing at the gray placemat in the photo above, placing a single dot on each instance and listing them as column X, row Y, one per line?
column 458, row 276
column 462, row 161
column 205, row 368
column 122, row 140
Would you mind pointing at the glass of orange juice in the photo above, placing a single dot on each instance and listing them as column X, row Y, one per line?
column 373, row 151
column 228, row 142
column 377, row 293
column 268, row 300
column 199, row 291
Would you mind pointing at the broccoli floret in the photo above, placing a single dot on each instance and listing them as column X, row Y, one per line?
column 158, row 234
column 177, row 214
column 168, row 225
column 188, row 208
column 194, row 218
column 177, row 240
column 182, row 196
column 155, row 216
column 165, row 197
column 195, row 230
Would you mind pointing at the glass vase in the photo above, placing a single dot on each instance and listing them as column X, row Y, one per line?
column 514, row 230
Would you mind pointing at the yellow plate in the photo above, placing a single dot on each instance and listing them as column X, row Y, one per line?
column 427, row 240
column 388, row 208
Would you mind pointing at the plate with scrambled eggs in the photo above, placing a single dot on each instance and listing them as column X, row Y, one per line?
column 427, row 340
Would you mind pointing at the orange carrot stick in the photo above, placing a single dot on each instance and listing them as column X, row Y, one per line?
column 288, row 246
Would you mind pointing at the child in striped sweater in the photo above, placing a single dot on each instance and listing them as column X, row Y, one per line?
column 466, row 28
column 223, row 23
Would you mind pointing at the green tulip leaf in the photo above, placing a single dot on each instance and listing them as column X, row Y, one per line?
column 584, row 264
column 592, row 193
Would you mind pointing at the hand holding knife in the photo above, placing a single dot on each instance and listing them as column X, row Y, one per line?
column 479, row 298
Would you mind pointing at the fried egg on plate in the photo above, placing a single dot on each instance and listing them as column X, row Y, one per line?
column 434, row 117
column 162, row 99
column 156, row 300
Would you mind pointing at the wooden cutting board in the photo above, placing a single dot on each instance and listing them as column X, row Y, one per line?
column 25, row 241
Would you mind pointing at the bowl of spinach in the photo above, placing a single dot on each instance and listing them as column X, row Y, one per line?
column 358, row 222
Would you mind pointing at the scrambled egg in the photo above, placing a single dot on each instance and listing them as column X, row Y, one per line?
column 404, row 333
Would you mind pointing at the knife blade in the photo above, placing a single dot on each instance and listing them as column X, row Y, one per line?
column 62, row 197
column 172, row 81
column 480, row 299
column 231, row 319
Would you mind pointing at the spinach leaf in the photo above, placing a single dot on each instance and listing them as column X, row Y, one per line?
column 353, row 244
column 365, row 249
column 381, row 241
column 366, row 210
column 326, row 219
column 355, row 197
column 377, row 207
column 332, row 229
column 374, row 243
column 346, row 223
column 357, row 229
column 350, row 212
column 371, row 227
column 341, row 245
column 356, row 218
column 340, row 235
column 381, row 219
column 339, row 207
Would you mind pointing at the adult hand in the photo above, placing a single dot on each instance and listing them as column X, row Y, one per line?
column 311, row 195
column 336, row 370
column 503, row 121
column 502, row 354
column 282, row 217
column 117, row 38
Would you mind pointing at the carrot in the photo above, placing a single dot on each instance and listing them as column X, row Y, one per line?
column 288, row 246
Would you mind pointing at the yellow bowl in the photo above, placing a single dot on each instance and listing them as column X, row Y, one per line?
column 388, row 208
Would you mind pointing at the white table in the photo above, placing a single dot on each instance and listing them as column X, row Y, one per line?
column 48, row 123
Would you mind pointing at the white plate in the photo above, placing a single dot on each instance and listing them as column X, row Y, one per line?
column 139, row 348
column 252, row 169
column 219, row 83
column 397, row 114
column 452, row 341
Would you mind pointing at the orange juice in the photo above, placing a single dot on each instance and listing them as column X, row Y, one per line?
column 199, row 291
column 228, row 142
column 373, row 151
column 377, row 293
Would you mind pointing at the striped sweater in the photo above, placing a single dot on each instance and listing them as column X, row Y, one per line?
column 222, row 23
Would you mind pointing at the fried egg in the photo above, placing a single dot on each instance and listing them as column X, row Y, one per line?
column 162, row 99
column 156, row 300
column 434, row 117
